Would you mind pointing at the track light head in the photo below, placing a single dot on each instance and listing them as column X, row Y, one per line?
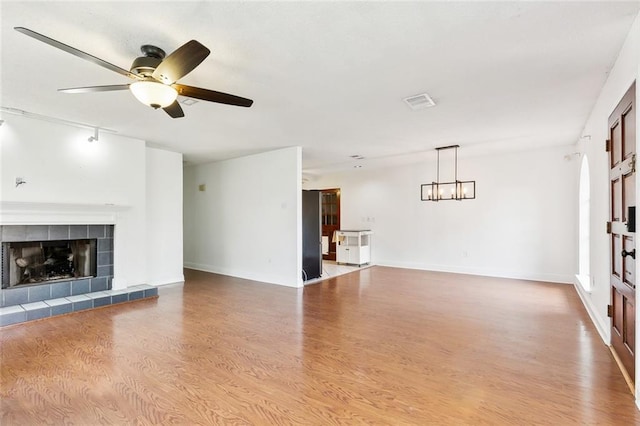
column 95, row 137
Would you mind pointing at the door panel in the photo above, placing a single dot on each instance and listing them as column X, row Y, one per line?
column 629, row 131
column 629, row 318
column 616, row 265
column 628, row 262
column 616, row 200
column 616, row 144
column 622, row 178
column 629, row 194
column 618, row 313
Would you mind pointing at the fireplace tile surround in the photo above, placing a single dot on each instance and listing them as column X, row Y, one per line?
column 30, row 302
column 42, row 291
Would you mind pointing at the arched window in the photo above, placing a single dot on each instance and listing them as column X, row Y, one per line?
column 583, row 229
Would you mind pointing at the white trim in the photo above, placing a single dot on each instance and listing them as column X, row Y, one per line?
column 168, row 281
column 530, row 276
column 603, row 329
column 584, row 281
column 27, row 213
column 584, row 222
column 247, row 275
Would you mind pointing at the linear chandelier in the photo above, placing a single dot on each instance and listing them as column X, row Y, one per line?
column 455, row 190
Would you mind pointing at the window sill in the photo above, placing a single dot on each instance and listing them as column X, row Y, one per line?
column 584, row 281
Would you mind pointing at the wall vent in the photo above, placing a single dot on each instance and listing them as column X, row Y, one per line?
column 420, row 101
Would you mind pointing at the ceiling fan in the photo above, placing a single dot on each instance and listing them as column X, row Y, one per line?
column 155, row 75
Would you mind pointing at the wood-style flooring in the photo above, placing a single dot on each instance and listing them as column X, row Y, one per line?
column 377, row 346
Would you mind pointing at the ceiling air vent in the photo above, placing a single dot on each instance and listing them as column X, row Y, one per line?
column 187, row 101
column 421, row 101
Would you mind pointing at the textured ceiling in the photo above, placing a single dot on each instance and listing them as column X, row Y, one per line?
column 328, row 76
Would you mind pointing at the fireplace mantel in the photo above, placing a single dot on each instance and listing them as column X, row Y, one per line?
column 47, row 213
column 39, row 213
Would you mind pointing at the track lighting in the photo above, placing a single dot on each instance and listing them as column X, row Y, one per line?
column 95, row 136
column 27, row 114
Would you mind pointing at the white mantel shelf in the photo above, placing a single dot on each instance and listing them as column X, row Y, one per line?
column 39, row 213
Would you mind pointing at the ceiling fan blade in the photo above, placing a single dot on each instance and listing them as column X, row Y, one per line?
column 181, row 62
column 90, row 89
column 174, row 110
column 211, row 95
column 76, row 52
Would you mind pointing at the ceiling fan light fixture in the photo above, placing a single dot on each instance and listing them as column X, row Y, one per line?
column 153, row 93
column 155, row 75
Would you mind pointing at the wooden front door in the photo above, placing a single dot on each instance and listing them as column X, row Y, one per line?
column 330, row 219
column 622, row 157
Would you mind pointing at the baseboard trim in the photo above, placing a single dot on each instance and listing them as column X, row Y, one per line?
column 602, row 328
column 200, row 267
column 168, row 282
column 241, row 274
column 551, row 278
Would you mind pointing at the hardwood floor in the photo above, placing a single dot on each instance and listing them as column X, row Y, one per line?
column 378, row 346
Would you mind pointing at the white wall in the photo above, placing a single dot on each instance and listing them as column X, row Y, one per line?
column 70, row 180
column 248, row 221
column 164, row 217
column 624, row 72
column 521, row 225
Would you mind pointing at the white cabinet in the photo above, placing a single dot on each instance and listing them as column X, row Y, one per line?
column 354, row 247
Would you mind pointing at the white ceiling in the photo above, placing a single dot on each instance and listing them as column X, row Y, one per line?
column 328, row 76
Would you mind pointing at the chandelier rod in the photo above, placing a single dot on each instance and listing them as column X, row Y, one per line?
column 456, row 167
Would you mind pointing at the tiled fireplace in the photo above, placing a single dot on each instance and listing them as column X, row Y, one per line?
column 42, row 247
column 49, row 270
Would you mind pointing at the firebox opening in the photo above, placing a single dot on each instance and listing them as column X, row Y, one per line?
column 28, row 263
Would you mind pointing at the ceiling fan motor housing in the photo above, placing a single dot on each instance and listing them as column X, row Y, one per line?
column 145, row 65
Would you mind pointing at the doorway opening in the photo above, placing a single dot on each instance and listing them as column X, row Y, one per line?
column 330, row 221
